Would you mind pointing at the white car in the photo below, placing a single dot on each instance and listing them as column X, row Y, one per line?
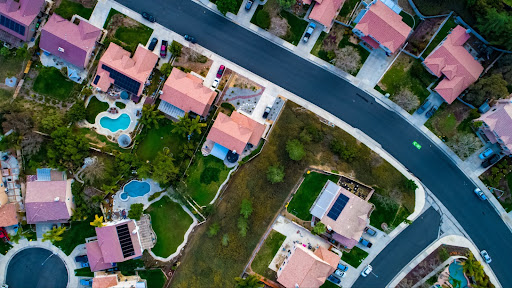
column 339, row 273
column 367, row 270
column 486, row 256
column 215, row 83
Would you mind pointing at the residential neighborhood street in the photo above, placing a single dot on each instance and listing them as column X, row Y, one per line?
column 357, row 108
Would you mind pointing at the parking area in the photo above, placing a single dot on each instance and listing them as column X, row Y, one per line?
column 434, row 100
column 474, row 164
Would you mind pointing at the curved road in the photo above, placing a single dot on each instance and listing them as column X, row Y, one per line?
column 351, row 105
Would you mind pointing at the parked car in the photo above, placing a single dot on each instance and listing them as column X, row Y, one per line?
column 81, row 258
column 220, row 71
column 334, row 279
column 480, row 194
column 190, row 38
column 309, row 31
column 267, row 111
column 152, row 44
column 365, row 242
column 370, row 231
column 248, row 5
column 86, row 282
column 215, row 83
column 342, row 267
column 424, row 107
column 4, row 235
column 491, row 160
column 148, row 17
column 84, row 264
column 367, row 270
column 163, row 49
column 431, row 112
column 486, row 256
column 486, row 154
column 339, row 273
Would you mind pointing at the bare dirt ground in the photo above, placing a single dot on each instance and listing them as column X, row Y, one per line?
column 404, row 4
column 422, row 35
column 119, row 20
column 193, row 61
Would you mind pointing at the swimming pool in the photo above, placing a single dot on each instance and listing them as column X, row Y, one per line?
column 135, row 188
column 457, row 275
column 115, row 124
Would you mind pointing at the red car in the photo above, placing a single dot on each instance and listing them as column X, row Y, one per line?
column 4, row 235
column 163, row 49
column 220, row 71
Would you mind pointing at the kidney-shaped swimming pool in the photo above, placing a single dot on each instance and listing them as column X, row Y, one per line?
column 115, row 124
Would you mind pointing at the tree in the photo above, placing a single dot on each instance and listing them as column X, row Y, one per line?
column 98, row 221
column 175, row 49
column 243, row 226
column 20, row 122
column 319, row 228
column 286, row 4
column 275, row 174
column 86, row 92
column 31, row 143
column 150, row 117
column 77, row 112
column 164, row 170
column 263, row 19
column 94, row 171
column 226, row 6
column 406, row 100
column 410, row 185
column 497, row 27
column 348, row 59
column 464, row 145
column 187, row 126
column 166, row 69
column 52, row 121
column 22, row 52
column 491, row 87
column 125, row 163
column 251, row 281
column 346, row 152
column 5, row 52
column 145, row 170
column 213, row 230
column 67, row 149
column 54, row 235
column 246, row 208
column 295, row 149
column 136, row 210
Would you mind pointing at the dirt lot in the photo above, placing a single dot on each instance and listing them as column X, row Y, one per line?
column 422, row 35
column 193, row 61
column 120, row 20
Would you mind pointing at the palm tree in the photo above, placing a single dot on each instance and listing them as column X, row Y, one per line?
column 54, row 235
column 187, row 126
column 98, row 221
column 251, row 281
column 94, row 171
column 150, row 117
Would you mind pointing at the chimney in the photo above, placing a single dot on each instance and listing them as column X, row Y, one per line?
column 61, row 49
column 56, row 199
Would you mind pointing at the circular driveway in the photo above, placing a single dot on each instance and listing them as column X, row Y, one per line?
column 37, row 268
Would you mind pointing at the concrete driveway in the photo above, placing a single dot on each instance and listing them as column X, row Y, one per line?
column 374, row 67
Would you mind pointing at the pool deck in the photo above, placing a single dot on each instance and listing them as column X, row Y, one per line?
column 120, row 204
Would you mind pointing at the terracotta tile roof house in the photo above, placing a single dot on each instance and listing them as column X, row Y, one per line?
column 381, row 27
column 186, row 92
column 497, row 124
column 19, row 17
column 116, row 242
column 235, row 132
column 325, row 11
column 451, row 60
column 104, row 281
column 305, row 269
column 342, row 212
column 117, row 281
column 68, row 41
column 128, row 73
column 48, row 201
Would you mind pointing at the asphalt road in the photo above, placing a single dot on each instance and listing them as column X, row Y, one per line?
column 351, row 105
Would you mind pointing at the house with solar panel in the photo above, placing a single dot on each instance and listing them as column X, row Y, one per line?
column 121, row 72
column 343, row 213
column 18, row 20
column 115, row 242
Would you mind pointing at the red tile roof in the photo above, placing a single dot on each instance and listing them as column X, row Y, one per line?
column 8, row 215
column 95, row 257
column 453, row 61
column 110, row 246
column 499, row 120
column 104, row 281
column 187, row 92
column 325, row 11
column 384, row 25
column 236, row 131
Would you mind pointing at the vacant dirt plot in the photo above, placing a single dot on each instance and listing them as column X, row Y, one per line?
column 191, row 60
column 422, row 35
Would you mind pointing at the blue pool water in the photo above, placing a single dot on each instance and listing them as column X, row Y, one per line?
column 120, row 123
column 135, row 189
column 457, row 272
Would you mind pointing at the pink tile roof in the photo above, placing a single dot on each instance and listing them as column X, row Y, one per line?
column 370, row 41
column 8, row 215
column 499, row 120
column 45, row 201
column 21, row 11
column 187, row 92
column 138, row 67
column 76, row 42
column 453, row 61
column 108, row 242
column 236, row 131
column 325, row 11
column 104, row 281
column 384, row 25
column 96, row 261
column 307, row 269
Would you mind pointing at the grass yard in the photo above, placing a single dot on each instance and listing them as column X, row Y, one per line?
column 111, row 14
column 388, row 211
column 318, row 44
column 266, row 253
column 347, row 8
column 408, row 19
column 94, row 108
column 205, row 177
column 233, row 9
column 84, row 272
column 69, row 8
column 120, row 105
column 156, row 139
column 155, row 278
column 50, row 82
column 75, row 235
column 4, row 247
column 439, row 7
column 307, row 194
column 296, row 29
column 170, row 222
column 11, row 66
column 443, row 32
column 355, row 257
column 329, row 284
column 132, row 36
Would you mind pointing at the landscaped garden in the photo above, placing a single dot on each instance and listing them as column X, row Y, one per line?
column 68, row 8
column 388, row 212
column 170, row 222
column 51, row 82
column 155, row 278
column 266, row 253
column 11, row 66
column 307, row 193
column 125, row 31
column 75, row 235
column 94, row 108
column 355, row 257
column 156, row 139
column 500, row 178
column 443, row 32
column 346, row 9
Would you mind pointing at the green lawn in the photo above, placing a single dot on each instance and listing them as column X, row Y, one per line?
column 254, row 152
column 132, row 36
column 199, row 189
column 443, row 32
column 158, row 138
column 4, row 247
column 355, row 257
column 296, row 29
column 94, row 107
column 120, row 105
column 438, row 7
column 318, row 44
column 84, row 272
column 347, row 7
column 111, row 14
column 170, row 222
column 329, row 284
column 69, row 8
column 75, row 235
column 50, row 82
column 450, row 120
column 11, row 66
column 233, row 9
column 307, row 194
column 266, row 253
column 155, row 278
column 388, row 211
column 407, row 18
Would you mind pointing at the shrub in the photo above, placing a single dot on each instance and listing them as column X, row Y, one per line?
column 263, row 19
column 243, row 226
column 346, row 152
column 275, row 174
column 246, row 208
column 226, row 6
column 175, row 49
column 319, row 228
column 295, row 149
column 213, row 229
column 209, row 175
column 136, row 211
column 225, row 240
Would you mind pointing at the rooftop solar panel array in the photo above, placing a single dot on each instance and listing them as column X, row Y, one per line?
column 96, row 79
column 12, row 25
column 337, row 207
column 122, row 80
column 123, row 233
